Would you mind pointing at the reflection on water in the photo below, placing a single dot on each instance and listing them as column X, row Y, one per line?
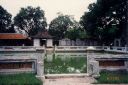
column 65, row 63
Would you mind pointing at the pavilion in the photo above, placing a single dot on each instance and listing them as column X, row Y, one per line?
column 42, row 39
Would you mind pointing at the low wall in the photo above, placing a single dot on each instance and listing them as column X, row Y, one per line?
column 94, row 58
column 75, row 48
column 12, row 54
column 96, row 48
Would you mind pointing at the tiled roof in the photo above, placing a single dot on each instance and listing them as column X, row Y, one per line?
column 12, row 36
column 42, row 35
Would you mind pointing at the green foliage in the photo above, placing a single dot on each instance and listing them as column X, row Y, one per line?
column 31, row 20
column 106, row 19
column 68, row 65
column 113, row 77
column 19, row 79
column 5, row 20
column 74, row 34
column 60, row 25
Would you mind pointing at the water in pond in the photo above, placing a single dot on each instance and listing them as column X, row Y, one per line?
column 59, row 63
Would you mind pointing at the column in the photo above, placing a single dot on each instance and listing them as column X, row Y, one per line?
column 36, row 42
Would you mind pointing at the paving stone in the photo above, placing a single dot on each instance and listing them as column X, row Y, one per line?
column 69, row 81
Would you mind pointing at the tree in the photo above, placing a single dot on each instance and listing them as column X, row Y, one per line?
column 11, row 29
column 74, row 34
column 106, row 20
column 60, row 25
column 5, row 20
column 31, row 20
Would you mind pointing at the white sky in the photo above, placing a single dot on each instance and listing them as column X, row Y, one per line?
column 51, row 7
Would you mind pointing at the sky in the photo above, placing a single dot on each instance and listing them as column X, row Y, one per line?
column 75, row 8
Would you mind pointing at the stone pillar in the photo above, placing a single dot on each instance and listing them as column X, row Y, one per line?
column 62, row 42
column 93, row 68
column 78, row 42
column 92, row 64
column 73, row 43
column 126, row 65
column 36, row 42
column 49, row 57
column 40, row 64
column 117, row 42
column 40, row 70
column 49, row 43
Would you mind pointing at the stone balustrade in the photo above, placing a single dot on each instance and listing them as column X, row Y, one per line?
column 20, row 48
column 97, row 48
column 22, row 54
column 65, row 48
column 70, row 48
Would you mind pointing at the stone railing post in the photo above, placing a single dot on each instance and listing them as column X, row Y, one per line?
column 126, row 65
column 40, row 64
column 92, row 64
column 125, row 48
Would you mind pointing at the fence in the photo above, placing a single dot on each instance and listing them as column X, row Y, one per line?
column 20, row 48
column 65, row 48
column 84, row 48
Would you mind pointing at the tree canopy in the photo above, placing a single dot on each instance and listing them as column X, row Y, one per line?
column 106, row 20
column 5, row 21
column 60, row 25
column 76, row 33
column 31, row 20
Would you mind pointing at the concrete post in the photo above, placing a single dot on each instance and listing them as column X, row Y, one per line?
column 90, row 50
column 125, row 48
column 40, row 65
column 36, row 42
column 126, row 65
column 95, row 68
column 92, row 64
column 49, row 43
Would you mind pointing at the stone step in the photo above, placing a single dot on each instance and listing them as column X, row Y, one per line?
column 68, row 79
column 56, row 76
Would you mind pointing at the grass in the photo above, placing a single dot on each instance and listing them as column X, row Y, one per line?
column 68, row 65
column 19, row 79
column 113, row 77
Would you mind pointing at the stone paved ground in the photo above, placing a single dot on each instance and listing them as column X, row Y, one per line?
column 69, row 81
column 73, row 81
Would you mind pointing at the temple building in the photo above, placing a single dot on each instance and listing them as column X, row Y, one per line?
column 19, row 54
column 14, row 39
column 43, row 39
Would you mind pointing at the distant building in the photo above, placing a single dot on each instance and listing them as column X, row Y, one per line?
column 17, row 39
column 14, row 39
column 18, row 55
column 78, row 42
column 42, row 39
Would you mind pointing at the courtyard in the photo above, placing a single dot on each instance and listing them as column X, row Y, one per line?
column 63, row 42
